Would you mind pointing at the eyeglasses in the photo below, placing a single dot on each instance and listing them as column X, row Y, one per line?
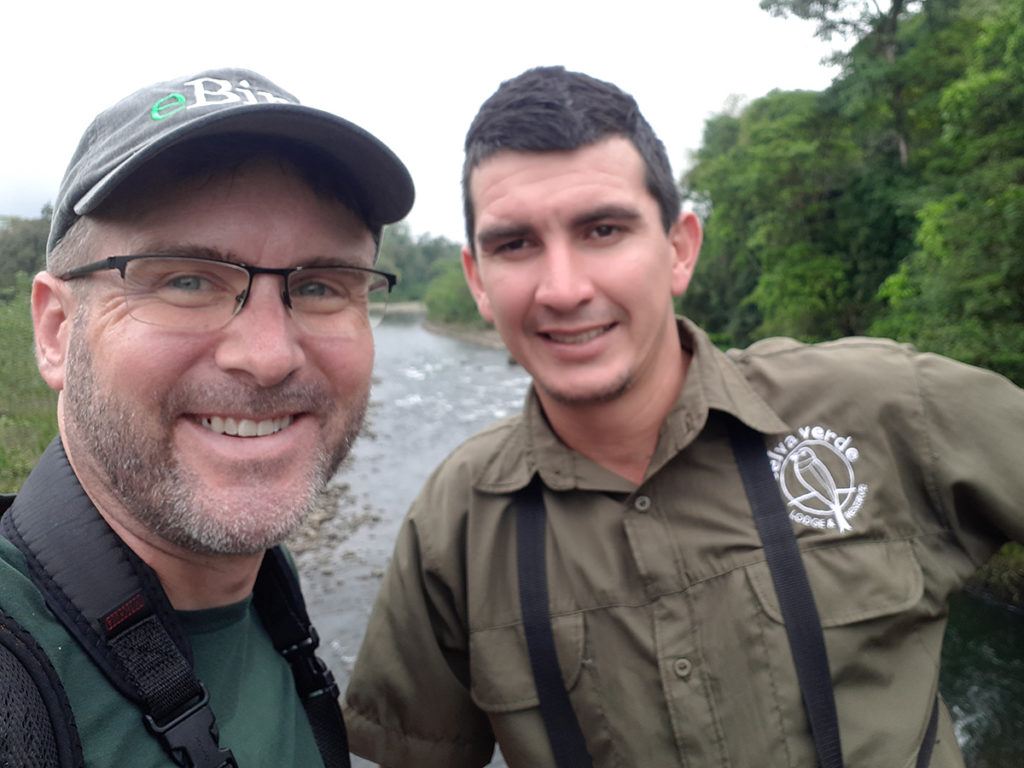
column 201, row 294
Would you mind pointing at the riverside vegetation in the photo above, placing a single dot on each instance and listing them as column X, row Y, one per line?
column 889, row 204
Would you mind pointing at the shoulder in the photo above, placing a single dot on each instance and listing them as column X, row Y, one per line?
column 849, row 351
column 854, row 366
column 499, row 449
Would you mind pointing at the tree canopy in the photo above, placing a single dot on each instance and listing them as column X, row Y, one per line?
column 890, row 204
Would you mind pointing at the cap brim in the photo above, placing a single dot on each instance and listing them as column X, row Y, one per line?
column 381, row 182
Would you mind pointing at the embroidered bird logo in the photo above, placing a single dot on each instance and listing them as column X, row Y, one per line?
column 813, row 475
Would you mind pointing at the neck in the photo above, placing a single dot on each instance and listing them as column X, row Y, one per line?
column 193, row 581
column 621, row 434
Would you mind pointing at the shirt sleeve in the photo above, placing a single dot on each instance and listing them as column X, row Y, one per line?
column 974, row 438
column 408, row 701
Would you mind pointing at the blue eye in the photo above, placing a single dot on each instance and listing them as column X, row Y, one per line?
column 188, row 283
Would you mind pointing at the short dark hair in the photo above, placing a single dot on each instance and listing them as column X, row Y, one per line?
column 548, row 109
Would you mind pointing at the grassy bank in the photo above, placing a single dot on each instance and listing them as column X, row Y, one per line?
column 28, row 408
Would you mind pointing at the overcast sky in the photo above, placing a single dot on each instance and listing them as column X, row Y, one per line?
column 413, row 73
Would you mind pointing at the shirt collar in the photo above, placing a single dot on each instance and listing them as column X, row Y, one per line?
column 713, row 382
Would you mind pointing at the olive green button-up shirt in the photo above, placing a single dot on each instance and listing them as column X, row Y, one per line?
column 900, row 472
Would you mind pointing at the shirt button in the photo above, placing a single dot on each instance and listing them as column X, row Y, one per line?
column 642, row 503
column 682, row 668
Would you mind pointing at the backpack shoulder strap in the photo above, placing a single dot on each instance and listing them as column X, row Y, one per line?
column 37, row 726
column 113, row 604
column 278, row 600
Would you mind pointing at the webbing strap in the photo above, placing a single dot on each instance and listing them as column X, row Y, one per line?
column 282, row 610
column 113, row 604
column 803, row 625
column 800, row 614
column 564, row 734
column 115, row 607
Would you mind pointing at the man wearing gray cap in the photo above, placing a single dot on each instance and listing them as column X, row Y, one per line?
column 205, row 318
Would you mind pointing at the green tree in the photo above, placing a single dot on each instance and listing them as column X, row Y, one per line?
column 413, row 259
column 448, row 297
column 961, row 293
column 22, row 248
column 770, row 180
column 877, row 31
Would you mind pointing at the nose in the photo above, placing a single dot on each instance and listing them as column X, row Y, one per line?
column 262, row 341
column 565, row 282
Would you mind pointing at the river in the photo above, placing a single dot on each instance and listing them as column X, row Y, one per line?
column 431, row 392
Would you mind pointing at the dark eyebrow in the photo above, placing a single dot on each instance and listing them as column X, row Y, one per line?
column 614, row 212
column 500, row 232
column 491, row 235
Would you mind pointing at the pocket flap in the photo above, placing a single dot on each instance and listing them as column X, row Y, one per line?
column 851, row 582
column 500, row 674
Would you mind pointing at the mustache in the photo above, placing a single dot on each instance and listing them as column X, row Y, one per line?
column 240, row 398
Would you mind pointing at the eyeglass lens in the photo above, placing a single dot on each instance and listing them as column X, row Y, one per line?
column 201, row 295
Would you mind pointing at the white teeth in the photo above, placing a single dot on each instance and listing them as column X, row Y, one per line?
column 245, row 427
column 576, row 338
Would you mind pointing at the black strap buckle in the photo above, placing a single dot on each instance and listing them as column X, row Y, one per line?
column 191, row 737
column 312, row 677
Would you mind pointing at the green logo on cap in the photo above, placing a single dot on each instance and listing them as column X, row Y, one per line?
column 167, row 106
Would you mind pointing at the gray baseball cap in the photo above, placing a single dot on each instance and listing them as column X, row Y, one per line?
column 137, row 129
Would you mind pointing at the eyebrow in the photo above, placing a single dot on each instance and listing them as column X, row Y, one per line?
column 189, row 251
column 490, row 235
column 615, row 212
column 186, row 250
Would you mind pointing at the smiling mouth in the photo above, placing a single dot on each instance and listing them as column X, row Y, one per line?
column 245, row 427
column 578, row 338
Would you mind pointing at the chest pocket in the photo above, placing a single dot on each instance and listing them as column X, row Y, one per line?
column 501, row 679
column 852, row 582
column 882, row 650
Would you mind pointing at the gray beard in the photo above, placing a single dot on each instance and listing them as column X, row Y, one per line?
column 163, row 494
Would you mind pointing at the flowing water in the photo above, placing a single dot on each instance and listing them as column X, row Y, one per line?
column 430, row 393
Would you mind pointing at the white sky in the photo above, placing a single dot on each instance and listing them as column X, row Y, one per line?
column 412, row 73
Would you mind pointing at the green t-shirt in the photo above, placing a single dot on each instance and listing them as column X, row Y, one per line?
column 252, row 691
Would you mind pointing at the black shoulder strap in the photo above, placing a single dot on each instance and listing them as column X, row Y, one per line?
column 803, row 625
column 564, row 733
column 114, row 605
column 800, row 614
column 282, row 610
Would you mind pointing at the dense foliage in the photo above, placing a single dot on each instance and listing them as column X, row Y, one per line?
column 416, row 260
column 889, row 204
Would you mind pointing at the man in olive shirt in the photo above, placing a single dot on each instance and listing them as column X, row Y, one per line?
column 898, row 471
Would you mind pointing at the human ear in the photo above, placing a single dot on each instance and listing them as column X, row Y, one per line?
column 685, row 238
column 53, row 310
column 471, row 269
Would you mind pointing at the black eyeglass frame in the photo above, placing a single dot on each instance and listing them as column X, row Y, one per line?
column 120, row 263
